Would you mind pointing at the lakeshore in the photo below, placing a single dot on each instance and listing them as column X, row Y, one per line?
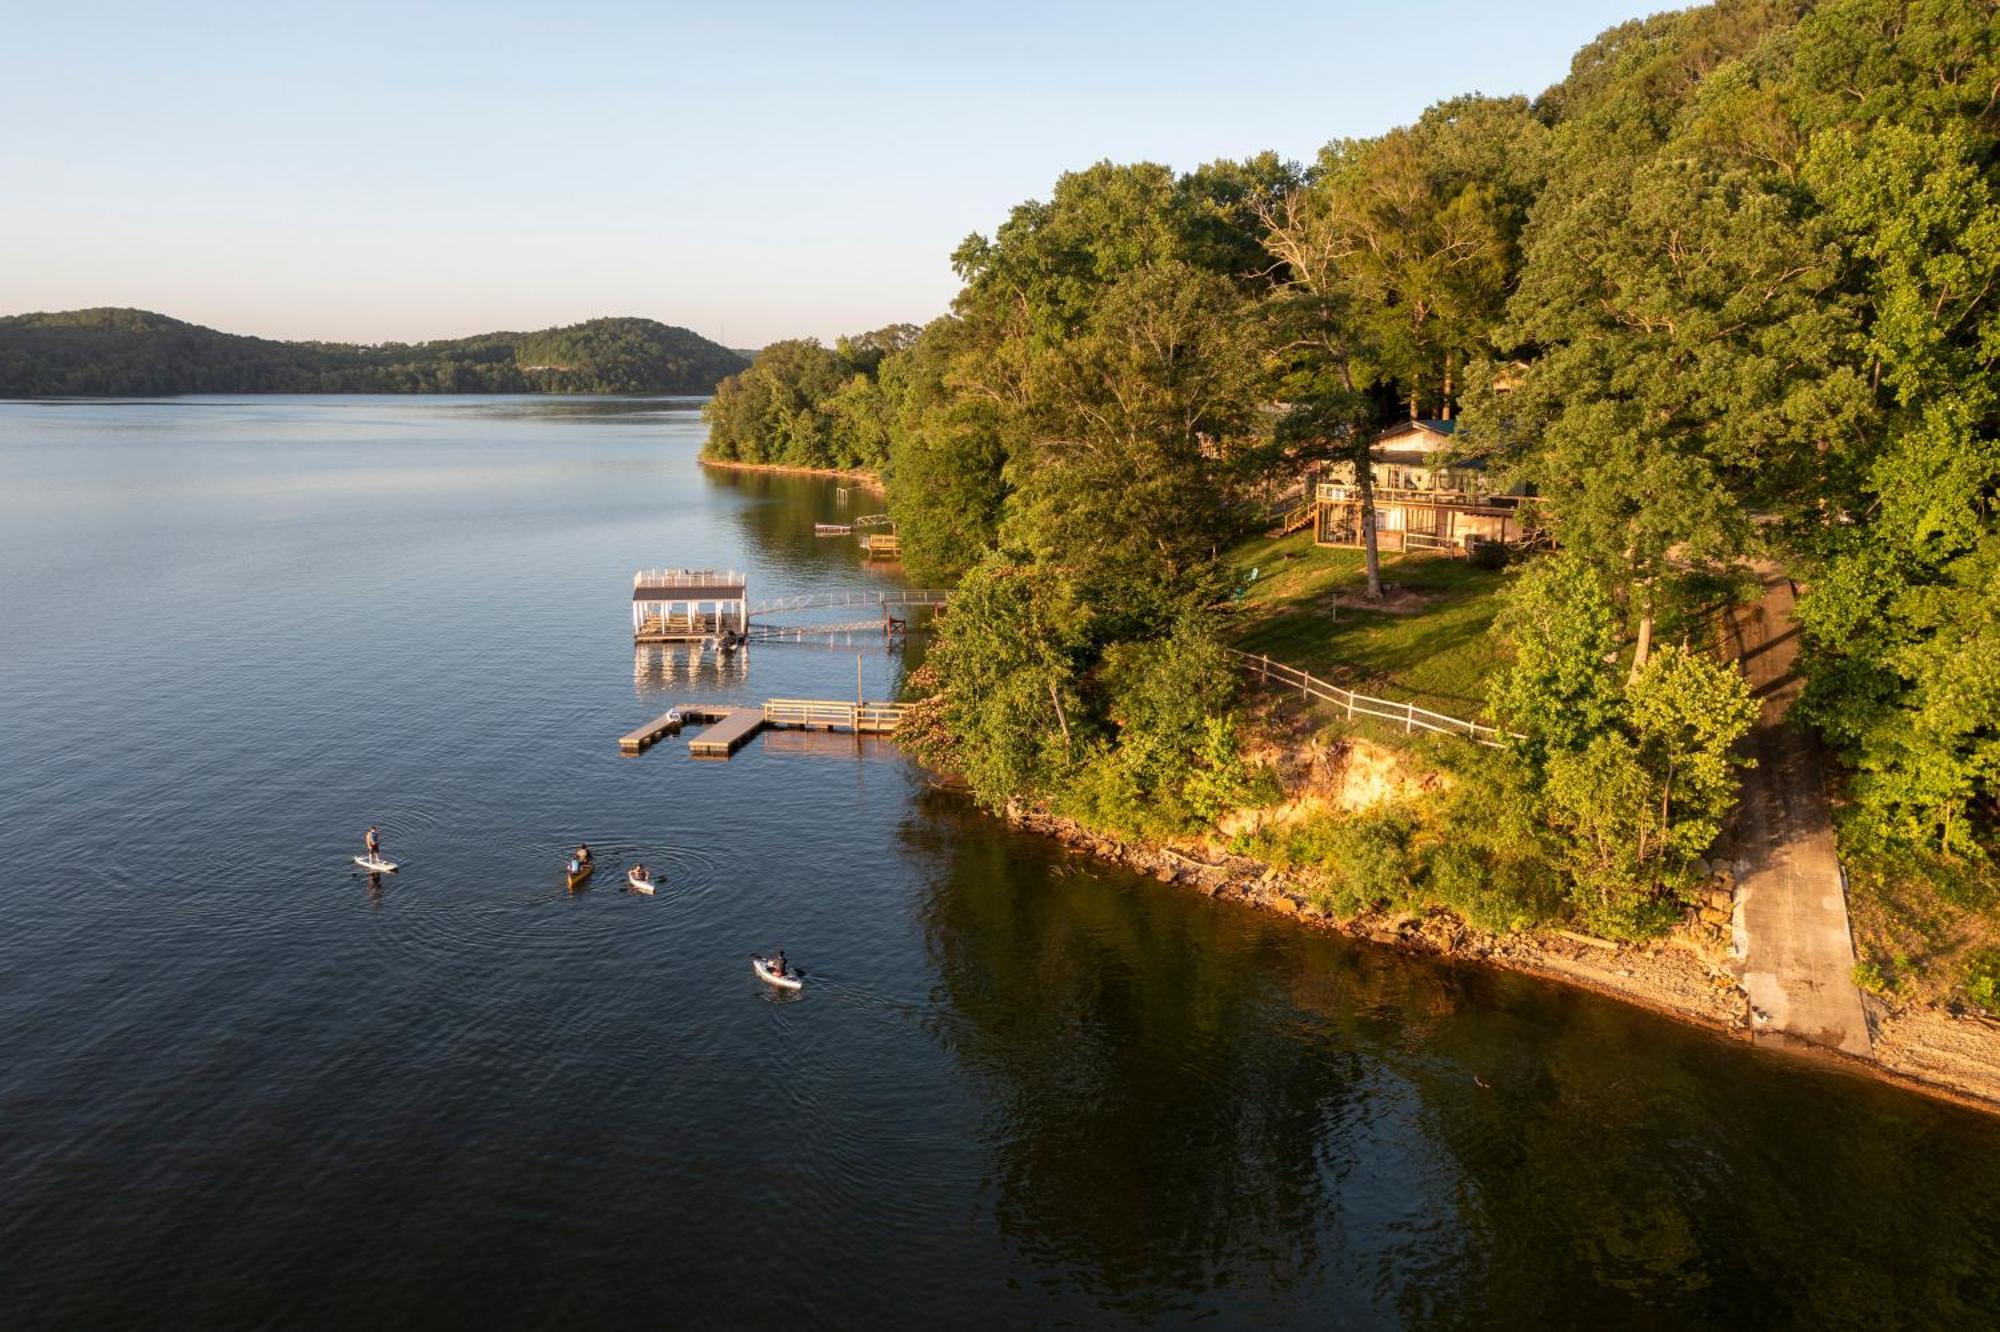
column 468, row 1092
column 1926, row 1051
column 855, row 476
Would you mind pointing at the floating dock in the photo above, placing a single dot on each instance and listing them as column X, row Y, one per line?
column 667, row 723
column 670, row 723
column 728, row 729
column 727, row 734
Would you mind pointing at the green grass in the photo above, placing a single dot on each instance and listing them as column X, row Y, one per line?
column 1437, row 657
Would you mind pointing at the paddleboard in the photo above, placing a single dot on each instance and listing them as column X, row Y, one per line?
column 376, row 866
column 639, row 885
column 769, row 977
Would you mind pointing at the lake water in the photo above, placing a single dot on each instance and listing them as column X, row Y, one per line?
column 241, row 1085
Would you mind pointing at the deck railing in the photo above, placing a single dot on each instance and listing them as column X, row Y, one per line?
column 688, row 578
column 895, row 596
column 1346, row 492
column 1291, row 520
column 881, row 543
column 861, row 718
column 1412, row 717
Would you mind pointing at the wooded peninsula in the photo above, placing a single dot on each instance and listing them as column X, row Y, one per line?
column 135, row 353
column 1518, row 413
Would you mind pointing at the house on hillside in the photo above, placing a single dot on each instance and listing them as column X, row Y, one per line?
column 1423, row 499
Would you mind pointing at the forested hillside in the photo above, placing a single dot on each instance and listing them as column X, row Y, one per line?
column 134, row 352
column 1729, row 291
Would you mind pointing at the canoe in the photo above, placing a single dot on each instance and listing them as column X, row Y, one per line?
column 576, row 876
column 639, row 885
column 769, row 977
column 374, row 866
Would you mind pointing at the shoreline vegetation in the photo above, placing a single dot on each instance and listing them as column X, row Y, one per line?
column 1721, row 307
column 135, row 353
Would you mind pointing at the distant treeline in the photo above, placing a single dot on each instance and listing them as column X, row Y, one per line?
column 126, row 353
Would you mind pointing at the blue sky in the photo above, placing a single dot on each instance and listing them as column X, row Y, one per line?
column 752, row 171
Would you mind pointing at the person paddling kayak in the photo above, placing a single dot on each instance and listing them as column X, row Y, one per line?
column 777, row 971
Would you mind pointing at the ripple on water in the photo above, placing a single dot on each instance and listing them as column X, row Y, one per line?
column 507, row 917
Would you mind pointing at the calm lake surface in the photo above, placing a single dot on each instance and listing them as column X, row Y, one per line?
column 241, row 1085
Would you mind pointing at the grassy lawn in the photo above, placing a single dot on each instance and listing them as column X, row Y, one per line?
column 1436, row 655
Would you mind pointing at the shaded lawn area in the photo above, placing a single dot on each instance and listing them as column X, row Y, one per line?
column 1437, row 655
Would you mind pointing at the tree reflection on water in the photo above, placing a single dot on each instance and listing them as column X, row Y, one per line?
column 1196, row 1108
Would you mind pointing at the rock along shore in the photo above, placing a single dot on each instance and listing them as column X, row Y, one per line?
column 1689, row 975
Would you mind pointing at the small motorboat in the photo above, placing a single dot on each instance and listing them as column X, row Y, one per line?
column 640, row 883
column 376, row 865
column 577, row 871
column 790, row 981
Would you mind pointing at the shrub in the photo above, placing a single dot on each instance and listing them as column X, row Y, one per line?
column 1982, row 978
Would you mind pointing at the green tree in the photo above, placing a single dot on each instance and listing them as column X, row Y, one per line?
column 1643, row 798
column 1601, row 800
column 1687, row 710
column 1170, row 762
column 1901, row 618
column 1124, row 478
column 1007, row 713
column 1559, row 689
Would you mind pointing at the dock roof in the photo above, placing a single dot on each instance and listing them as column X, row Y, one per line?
column 687, row 585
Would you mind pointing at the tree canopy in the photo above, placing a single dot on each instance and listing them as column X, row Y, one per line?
column 1731, row 290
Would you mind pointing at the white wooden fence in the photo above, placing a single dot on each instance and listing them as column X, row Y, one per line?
column 1412, row 717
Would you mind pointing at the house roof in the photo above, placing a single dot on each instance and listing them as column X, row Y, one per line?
column 1442, row 429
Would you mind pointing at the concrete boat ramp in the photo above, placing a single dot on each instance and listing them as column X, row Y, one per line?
column 1795, row 950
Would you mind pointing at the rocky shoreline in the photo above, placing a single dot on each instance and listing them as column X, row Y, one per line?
column 1687, row 976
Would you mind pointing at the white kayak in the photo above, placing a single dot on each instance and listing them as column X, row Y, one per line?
column 374, row 866
column 638, row 884
column 770, row 977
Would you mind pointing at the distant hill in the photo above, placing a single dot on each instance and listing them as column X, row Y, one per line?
column 135, row 353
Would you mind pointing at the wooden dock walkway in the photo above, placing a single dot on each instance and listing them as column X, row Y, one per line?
column 667, row 723
column 727, row 734
column 728, row 729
